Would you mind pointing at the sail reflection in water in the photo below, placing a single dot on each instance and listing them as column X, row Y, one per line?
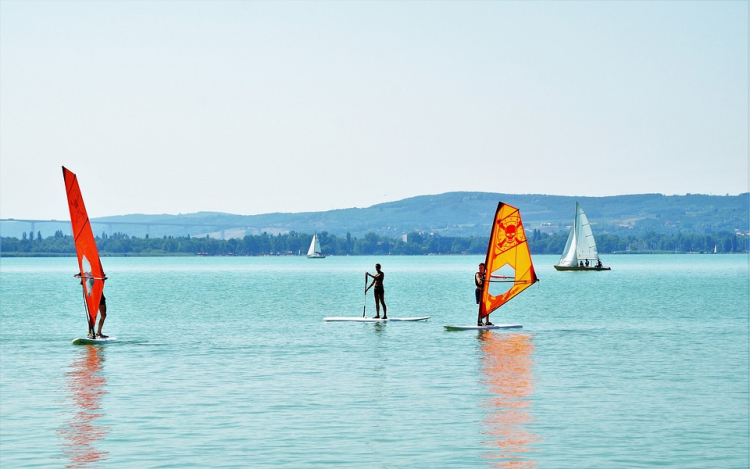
column 85, row 383
column 507, row 372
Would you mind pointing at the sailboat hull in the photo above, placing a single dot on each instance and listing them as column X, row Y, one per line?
column 562, row 267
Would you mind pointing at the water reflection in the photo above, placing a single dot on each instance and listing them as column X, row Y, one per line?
column 85, row 383
column 507, row 372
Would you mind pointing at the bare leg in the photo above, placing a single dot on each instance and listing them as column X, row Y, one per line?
column 379, row 299
column 102, row 317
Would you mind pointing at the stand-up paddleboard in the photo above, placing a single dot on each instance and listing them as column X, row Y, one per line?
column 91, row 274
column 508, row 267
column 359, row 319
column 483, row 328
column 87, row 341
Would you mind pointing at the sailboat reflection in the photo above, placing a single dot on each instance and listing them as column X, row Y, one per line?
column 85, row 383
column 507, row 372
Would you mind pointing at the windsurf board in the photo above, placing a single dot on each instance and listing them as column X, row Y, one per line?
column 483, row 328
column 88, row 341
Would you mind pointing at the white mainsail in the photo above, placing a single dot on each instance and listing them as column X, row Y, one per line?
column 580, row 245
column 315, row 250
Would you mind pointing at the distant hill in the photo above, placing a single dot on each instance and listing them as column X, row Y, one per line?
column 448, row 214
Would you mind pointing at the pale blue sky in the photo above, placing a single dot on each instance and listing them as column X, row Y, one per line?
column 255, row 107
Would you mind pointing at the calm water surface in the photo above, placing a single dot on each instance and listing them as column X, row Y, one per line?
column 226, row 362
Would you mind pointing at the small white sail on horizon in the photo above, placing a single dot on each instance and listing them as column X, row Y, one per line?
column 315, row 252
column 580, row 248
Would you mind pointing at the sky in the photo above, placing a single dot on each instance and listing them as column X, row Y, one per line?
column 252, row 107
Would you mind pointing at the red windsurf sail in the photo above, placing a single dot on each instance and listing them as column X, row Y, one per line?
column 90, row 266
column 509, row 269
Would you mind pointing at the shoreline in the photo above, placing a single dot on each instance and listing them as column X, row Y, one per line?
column 112, row 254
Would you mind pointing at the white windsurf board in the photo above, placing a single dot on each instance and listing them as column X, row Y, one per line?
column 88, row 341
column 483, row 328
column 361, row 319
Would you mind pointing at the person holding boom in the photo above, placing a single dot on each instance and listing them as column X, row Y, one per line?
column 378, row 292
column 479, row 279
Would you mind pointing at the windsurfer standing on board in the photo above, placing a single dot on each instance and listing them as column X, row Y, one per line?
column 378, row 292
column 102, row 317
column 479, row 282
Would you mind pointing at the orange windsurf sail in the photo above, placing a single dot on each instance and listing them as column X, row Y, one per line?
column 509, row 269
column 90, row 266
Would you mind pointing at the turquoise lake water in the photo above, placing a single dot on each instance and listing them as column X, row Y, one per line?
column 226, row 362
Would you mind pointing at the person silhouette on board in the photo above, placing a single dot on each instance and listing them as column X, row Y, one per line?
column 102, row 317
column 479, row 283
column 378, row 292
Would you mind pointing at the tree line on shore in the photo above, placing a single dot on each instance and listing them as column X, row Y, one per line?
column 294, row 243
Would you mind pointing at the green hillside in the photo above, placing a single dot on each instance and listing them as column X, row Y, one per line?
column 448, row 214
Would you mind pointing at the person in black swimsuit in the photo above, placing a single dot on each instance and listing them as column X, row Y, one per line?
column 479, row 283
column 379, row 291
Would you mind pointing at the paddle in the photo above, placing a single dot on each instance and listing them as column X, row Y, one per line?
column 364, row 308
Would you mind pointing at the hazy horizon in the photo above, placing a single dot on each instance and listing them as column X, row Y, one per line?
column 65, row 218
column 288, row 107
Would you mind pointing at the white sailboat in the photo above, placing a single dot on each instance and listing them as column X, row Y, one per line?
column 315, row 252
column 580, row 250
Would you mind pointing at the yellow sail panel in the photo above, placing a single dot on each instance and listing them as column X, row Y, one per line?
column 508, row 263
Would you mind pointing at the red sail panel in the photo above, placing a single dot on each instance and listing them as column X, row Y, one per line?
column 89, row 264
column 509, row 269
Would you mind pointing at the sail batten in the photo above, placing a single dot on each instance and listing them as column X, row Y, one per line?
column 90, row 268
column 508, row 261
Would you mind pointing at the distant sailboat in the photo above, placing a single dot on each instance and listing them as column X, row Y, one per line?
column 580, row 250
column 315, row 252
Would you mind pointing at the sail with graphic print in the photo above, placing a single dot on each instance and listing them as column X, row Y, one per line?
column 508, row 266
column 580, row 251
column 91, row 273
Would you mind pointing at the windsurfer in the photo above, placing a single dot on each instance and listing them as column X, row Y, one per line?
column 378, row 292
column 102, row 317
column 479, row 283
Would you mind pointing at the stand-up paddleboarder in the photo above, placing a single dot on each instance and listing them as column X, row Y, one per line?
column 379, row 291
